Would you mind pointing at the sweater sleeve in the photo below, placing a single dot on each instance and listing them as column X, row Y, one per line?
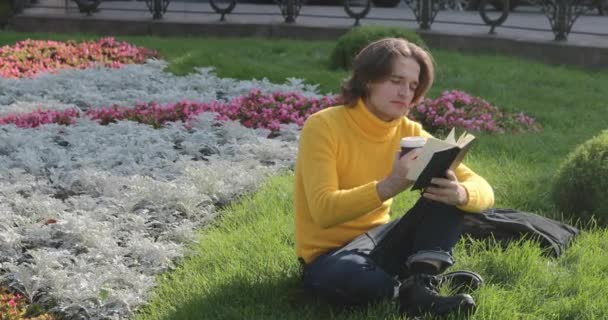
column 317, row 157
column 481, row 195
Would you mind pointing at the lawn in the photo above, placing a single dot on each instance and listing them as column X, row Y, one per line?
column 244, row 265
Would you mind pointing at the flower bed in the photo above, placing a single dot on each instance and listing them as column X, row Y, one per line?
column 130, row 85
column 90, row 214
column 255, row 110
column 31, row 57
column 461, row 110
column 270, row 111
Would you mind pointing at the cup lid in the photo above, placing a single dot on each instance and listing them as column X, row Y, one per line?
column 413, row 142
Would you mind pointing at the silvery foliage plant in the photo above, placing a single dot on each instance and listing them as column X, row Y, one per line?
column 89, row 214
column 103, row 87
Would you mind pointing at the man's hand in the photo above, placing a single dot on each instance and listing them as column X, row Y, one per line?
column 448, row 191
column 396, row 181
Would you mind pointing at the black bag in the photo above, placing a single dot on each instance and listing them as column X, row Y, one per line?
column 506, row 225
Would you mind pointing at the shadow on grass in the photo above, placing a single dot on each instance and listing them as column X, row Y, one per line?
column 245, row 297
column 283, row 298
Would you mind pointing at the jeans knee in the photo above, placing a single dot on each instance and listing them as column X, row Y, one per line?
column 351, row 280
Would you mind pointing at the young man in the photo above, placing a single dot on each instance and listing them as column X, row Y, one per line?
column 347, row 172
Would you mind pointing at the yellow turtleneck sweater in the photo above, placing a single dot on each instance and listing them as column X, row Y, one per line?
column 343, row 153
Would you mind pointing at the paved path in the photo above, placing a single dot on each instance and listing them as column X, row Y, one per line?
column 526, row 23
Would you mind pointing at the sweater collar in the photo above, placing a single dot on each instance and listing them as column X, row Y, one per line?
column 370, row 125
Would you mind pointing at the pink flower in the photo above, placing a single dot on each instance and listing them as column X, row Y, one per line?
column 458, row 109
column 255, row 110
column 31, row 57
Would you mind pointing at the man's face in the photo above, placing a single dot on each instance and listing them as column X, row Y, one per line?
column 392, row 98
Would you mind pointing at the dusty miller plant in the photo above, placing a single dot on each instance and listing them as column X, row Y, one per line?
column 89, row 214
column 98, row 87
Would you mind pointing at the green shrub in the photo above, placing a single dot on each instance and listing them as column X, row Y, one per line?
column 581, row 184
column 353, row 41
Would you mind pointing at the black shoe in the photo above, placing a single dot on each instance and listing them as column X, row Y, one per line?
column 418, row 295
column 461, row 281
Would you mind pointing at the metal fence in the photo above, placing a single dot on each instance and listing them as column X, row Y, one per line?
column 562, row 14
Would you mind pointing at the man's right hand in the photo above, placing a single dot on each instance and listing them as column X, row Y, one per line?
column 396, row 181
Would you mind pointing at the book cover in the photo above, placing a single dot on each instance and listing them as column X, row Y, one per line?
column 437, row 156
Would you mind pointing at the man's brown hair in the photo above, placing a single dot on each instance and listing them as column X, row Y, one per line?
column 375, row 63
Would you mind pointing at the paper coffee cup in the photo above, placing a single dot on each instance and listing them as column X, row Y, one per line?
column 410, row 143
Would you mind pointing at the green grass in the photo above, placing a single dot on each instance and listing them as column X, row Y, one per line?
column 244, row 266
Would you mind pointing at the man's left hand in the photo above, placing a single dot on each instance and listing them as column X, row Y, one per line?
column 448, row 191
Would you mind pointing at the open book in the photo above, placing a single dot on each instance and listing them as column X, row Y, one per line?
column 437, row 156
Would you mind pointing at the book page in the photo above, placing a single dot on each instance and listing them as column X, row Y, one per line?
column 465, row 139
column 450, row 138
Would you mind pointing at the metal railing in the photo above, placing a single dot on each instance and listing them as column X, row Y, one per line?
column 562, row 14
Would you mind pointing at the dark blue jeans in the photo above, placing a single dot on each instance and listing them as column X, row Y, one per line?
column 367, row 269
